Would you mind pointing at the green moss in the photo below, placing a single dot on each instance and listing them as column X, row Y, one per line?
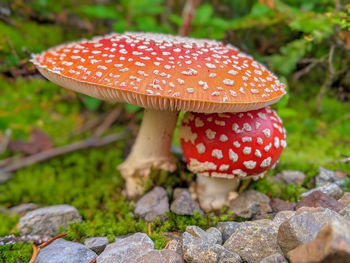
column 15, row 253
column 8, row 224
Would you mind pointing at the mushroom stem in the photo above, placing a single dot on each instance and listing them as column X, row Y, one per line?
column 213, row 193
column 151, row 150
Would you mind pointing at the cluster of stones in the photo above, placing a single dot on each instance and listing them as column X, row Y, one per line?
column 165, row 66
column 316, row 229
column 232, row 144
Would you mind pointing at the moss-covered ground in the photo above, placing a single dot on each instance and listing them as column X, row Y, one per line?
column 88, row 179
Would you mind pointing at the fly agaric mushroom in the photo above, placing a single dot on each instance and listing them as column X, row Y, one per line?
column 164, row 74
column 222, row 148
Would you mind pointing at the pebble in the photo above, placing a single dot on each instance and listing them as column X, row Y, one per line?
column 22, row 209
column 96, row 244
column 319, row 199
column 278, row 205
column 183, row 203
column 176, row 246
column 290, row 177
column 282, row 216
column 197, row 250
column 345, row 199
column 275, row 258
column 345, row 212
column 250, row 204
column 206, row 236
column 330, row 189
column 12, row 239
column 254, row 240
column 332, row 244
column 153, row 205
column 62, row 251
column 227, row 229
column 327, row 176
column 127, row 249
column 216, row 233
column 303, row 227
column 160, row 256
column 48, row 220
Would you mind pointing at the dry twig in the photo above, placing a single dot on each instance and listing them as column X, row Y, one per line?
column 5, row 141
column 36, row 249
column 187, row 16
column 108, row 121
column 54, row 152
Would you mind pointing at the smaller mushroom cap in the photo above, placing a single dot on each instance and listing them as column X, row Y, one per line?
column 229, row 145
column 162, row 72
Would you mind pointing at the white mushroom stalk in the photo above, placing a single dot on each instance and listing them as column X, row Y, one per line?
column 151, row 150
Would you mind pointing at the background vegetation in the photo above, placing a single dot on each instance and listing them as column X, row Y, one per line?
column 305, row 42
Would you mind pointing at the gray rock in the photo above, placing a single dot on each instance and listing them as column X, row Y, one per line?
column 12, row 239
column 197, row 250
column 275, row 258
column 345, row 212
column 160, row 256
column 226, row 229
column 345, row 199
column 183, row 203
column 96, row 244
column 332, row 244
column 330, row 189
column 327, row 176
column 216, row 233
column 303, row 227
column 176, row 246
column 62, row 251
column 23, row 208
column 206, row 236
column 250, row 204
column 254, row 240
column 127, row 249
column 282, row 216
column 153, row 205
column 48, row 220
column 290, row 177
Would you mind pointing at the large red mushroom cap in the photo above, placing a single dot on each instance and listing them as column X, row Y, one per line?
column 229, row 145
column 162, row 72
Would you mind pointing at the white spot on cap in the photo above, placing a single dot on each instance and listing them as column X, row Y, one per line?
column 239, row 172
column 224, row 167
column 267, row 133
column 247, row 139
column 259, row 141
column 247, row 127
column 217, row 154
column 257, row 153
column 262, row 115
column 247, row 150
column 200, row 148
column 257, row 125
column 249, row 164
column 223, row 138
column 228, row 82
column 220, row 123
column 232, row 155
column 198, row 122
column 266, row 162
column 210, row 134
column 277, row 142
column 268, row 147
column 283, row 143
column 236, row 144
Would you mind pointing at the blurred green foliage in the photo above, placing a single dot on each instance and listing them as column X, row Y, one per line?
column 305, row 42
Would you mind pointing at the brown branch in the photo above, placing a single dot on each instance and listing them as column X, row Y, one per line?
column 328, row 81
column 187, row 16
column 5, row 141
column 54, row 152
column 108, row 121
column 36, row 249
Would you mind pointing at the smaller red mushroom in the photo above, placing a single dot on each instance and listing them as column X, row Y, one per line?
column 222, row 148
